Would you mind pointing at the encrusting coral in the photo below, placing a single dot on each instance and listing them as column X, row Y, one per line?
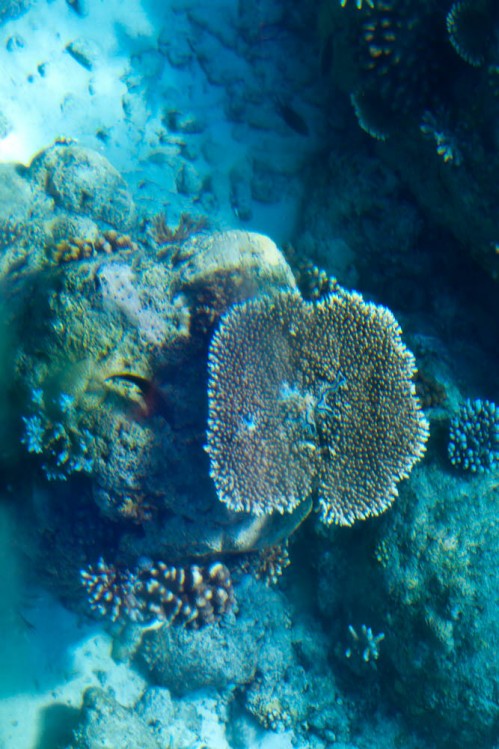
column 311, row 398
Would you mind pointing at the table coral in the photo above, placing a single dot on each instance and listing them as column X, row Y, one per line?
column 306, row 397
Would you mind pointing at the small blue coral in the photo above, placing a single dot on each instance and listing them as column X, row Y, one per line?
column 34, row 431
column 474, row 436
column 53, row 431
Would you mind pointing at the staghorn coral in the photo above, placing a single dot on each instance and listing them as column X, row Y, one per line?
column 311, row 398
column 158, row 594
column 474, row 436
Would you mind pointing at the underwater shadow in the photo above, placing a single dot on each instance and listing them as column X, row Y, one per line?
column 57, row 724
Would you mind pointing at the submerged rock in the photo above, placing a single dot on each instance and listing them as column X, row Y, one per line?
column 106, row 723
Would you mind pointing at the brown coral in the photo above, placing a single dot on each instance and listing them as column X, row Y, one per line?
column 165, row 235
column 80, row 248
column 159, row 593
column 312, row 397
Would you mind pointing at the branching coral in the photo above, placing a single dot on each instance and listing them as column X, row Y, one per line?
column 165, row 235
column 364, row 644
column 305, row 398
column 158, row 594
column 271, row 563
column 52, row 431
column 80, row 248
column 403, row 63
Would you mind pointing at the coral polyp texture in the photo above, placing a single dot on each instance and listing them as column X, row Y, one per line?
column 312, row 398
column 474, row 437
column 159, row 594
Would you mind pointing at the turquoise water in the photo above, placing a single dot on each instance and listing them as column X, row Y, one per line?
column 249, row 431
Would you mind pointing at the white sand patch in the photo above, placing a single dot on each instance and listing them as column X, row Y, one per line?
column 147, row 60
column 45, row 92
column 52, row 665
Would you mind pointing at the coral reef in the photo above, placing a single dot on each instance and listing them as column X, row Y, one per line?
column 122, row 381
column 292, row 387
column 424, row 575
column 474, row 436
column 440, row 580
column 108, row 383
column 421, row 78
column 358, row 3
column 157, row 594
column 276, row 662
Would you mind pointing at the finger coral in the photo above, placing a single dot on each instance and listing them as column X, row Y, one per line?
column 157, row 593
column 311, row 398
